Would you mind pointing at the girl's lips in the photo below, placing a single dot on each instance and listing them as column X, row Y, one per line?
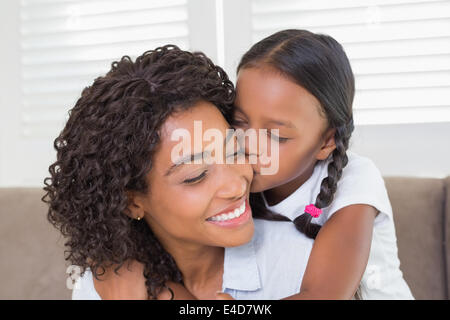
column 235, row 222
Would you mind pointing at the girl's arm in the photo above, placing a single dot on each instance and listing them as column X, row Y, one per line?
column 129, row 284
column 339, row 255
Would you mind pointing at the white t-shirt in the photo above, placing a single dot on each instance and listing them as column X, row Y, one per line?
column 361, row 183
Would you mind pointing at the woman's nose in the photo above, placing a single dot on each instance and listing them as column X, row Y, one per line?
column 235, row 182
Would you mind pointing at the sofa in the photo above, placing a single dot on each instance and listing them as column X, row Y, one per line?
column 32, row 264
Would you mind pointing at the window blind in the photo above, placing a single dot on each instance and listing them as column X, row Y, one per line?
column 399, row 51
column 65, row 44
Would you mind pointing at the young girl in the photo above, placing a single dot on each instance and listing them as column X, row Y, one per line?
column 302, row 84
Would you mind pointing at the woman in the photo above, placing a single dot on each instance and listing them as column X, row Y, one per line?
column 118, row 195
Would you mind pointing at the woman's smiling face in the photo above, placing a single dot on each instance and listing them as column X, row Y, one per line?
column 185, row 201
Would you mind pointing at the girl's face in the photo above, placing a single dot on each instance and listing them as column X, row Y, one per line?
column 268, row 100
column 183, row 198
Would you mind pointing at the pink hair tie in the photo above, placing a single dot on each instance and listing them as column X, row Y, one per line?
column 313, row 210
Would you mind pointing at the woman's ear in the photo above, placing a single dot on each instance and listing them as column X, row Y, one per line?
column 135, row 209
column 328, row 144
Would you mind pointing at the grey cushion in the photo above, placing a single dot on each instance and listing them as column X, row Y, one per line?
column 418, row 206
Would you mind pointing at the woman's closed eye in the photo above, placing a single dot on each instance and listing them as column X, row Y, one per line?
column 196, row 179
column 201, row 176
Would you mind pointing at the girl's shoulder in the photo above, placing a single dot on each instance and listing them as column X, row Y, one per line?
column 361, row 183
column 361, row 166
column 356, row 162
column 360, row 172
column 360, row 175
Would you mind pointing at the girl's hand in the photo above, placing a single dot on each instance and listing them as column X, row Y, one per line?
column 179, row 292
column 127, row 284
column 223, row 296
column 345, row 239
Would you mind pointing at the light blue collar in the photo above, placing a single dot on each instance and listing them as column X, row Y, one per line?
column 241, row 269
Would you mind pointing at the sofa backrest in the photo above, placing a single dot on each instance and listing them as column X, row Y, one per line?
column 421, row 212
column 32, row 264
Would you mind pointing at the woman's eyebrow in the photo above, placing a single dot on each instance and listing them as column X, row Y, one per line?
column 184, row 160
column 192, row 157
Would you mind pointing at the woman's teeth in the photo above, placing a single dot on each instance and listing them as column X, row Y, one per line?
column 230, row 215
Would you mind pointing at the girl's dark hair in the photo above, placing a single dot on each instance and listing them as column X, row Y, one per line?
column 319, row 64
column 106, row 148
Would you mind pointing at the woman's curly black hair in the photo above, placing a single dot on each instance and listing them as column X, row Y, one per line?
column 106, row 148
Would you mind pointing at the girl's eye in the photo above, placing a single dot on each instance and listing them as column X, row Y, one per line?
column 280, row 139
column 196, row 179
